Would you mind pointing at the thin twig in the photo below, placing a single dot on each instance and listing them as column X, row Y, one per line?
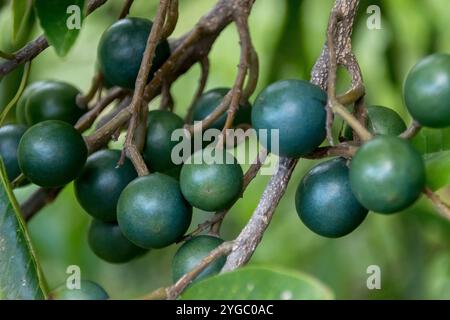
column 204, row 73
column 442, row 208
column 412, row 130
column 96, row 84
column 171, row 20
column 125, row 9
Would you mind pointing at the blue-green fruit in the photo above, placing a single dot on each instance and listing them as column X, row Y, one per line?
column 49, row 100
column 211, row 185
column 325, row 202
column 108, row 243
column 387, row 174
column 121, row 49
column 152, row 212
column 427, row 91
column 380, row 120
column 158, row 145
column 52, row 153
column 88, row 291
column 22, row 103
column 295, row 108
column 10, row 136
column 192, row 252
column 101, row 182
column 210, row 100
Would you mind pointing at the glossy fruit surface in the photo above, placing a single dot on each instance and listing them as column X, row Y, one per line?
column 22, row 103
column 210, row 100
column 192, row 252
column 121, row 49
column 296, row 109
column 101, row 182
column 152, row 212
column 382, row 121
column 325, row 202
column 51, row 100
column 10, row 136
column 158, row 146
column 52, row 153
column 209, row 185
column 387, row 174
column 108, row 242
column 427, row 91
column 89, row 290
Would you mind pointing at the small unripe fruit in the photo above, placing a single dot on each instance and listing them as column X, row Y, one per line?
column 121, row 49
column 192, row 252
column 158, row 146
column 89, row 290
column 387, row 174
column 108, row 243
column 22, row 103
column 10, row 136
column 325, row 202
column 152, row 212
column 427, row 91
column 210, row 185
column 296, row 109
column 52, row 153
column 210, row 100
column 101, row 182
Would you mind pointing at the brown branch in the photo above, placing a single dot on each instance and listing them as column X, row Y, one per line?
column 38, row 200
column 172, row 292
column 137, row 102
column 442, row 208
column 97, row 82
column 35, row 47
column 171, row 20
column 167, row 102
column 204, row 73
column 412, row 130
column 341, row 150
column 251, row 235
column 125, row 9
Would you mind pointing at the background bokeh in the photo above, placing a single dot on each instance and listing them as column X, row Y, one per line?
column 412, row 248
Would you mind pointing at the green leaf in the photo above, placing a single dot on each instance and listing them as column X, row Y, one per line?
column 438, row 169
column 23, row 18
column 20, row 277
column 259, row 283
column 432, row 140
column 59, row 23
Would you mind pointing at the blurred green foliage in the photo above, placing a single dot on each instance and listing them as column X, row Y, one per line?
column 411, row 248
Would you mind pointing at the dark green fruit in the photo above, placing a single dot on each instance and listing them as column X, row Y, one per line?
column 381, row 121
column 192, row 252
column 387, row 174
column 427, row 91
column 88, row 291
column 158, row 146
column 10, row 136
column 325, row 202
column 52, row 153
column 50, row 100
column 22, row 103
column 101, row 182
column 108, row 243
column 297, row 109
column 208, row 185
column 210, row 100
column 152, row 212
column 121, row 49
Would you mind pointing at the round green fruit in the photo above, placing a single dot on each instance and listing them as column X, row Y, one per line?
column 192, row 252
column 121, row 49
column 52, row 153
column 152, row 212
column 101, row 182
column 380, row 121
column 88, row 291
column 211, row 183
column 210, row 100
column 10, row 136
column 325, row 202
column 22, row 103
column 158, row 146
column 108, row 243
column 387, row 174
column 296, row 109
column 427, row 91
column 50, row 100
